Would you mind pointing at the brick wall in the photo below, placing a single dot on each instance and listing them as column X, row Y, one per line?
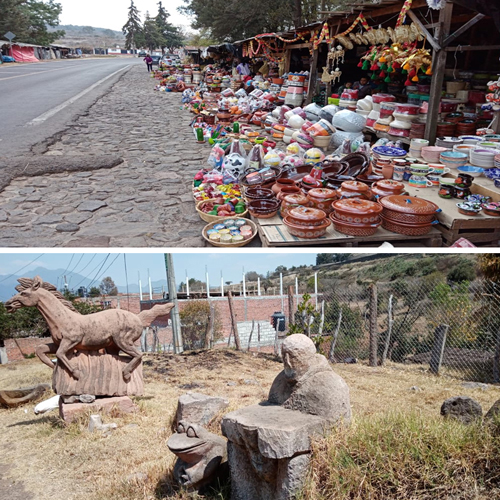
column 17, row 348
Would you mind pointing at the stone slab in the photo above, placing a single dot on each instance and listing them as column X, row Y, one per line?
column 70, row 412
column 197, row 408
column 275, row 431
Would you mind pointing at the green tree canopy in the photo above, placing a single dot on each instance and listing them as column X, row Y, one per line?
column 108, row 287
column 132, row 29
column 171, row 37
column 29, row 20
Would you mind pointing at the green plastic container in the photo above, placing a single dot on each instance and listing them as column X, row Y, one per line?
column 332, row 100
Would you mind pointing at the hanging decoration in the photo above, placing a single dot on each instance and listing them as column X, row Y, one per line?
column 336, row 54
column 436, row 4
column 404, row 10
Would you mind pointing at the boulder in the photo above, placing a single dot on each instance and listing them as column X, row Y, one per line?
column 17, row 397
column 199, row 408
column 70, row 412
column 463, row 409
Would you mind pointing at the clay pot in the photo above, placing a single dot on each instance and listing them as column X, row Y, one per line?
column 357, row 211
column 305, row 231
column 281, row 183
column 408, row 210
column 263, row 209
column 293, row 201
column 258, row 193
column 353, row 229
column 322, row 198
column 305, row 216
column 285, row 191
column 355, row 189
column 388, row 171
column 387, row 188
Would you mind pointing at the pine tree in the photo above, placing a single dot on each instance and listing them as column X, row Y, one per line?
column 171, row 36
column 152, row 36
column 134, row 36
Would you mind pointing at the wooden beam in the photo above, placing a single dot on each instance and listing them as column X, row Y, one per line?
column 465, row 48
column 438, row 69
column 463, row 29
column 430, row 38
column 313, row 77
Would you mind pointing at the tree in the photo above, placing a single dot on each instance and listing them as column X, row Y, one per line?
column 88, row 30
column 30, row 19
column 252, row 276
column 463, row 271
column 109, row 33
column 171, row 37
column 108, row 287
column 280, row 269
column 94, row 292
column 489, row 265
column 152, row 36
column 195, row 317
column 132, row 29
column 331, row 258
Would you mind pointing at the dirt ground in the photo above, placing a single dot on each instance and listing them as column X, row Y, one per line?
column 42, row 459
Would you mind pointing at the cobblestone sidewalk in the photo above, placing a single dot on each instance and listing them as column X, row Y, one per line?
column 144, row 202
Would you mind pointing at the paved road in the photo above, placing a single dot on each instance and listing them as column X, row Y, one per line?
column 40, row 99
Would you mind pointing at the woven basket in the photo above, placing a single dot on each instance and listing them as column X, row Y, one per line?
column 215, row 218
column 229, row 245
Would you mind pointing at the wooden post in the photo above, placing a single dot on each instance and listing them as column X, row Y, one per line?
column 250, row 336
column 212, row 325
column 209, row 329
column 438, row 348
column 233, row 321
column 322, row 319
column 291, row 311
column 288, row 59
column 373, row 325
column 496, row 361
column 331, row 354
column 438, row 68
column 313, row 77
column 389, row 331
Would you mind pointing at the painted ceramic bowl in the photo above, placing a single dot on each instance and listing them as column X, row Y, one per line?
column 258, row 193
column 407, row 229
column 322, row 198
column 293, row 201
column 356, row 210
column 263, row 209
column 431, row 154
column 352, row 229
column 306, row 216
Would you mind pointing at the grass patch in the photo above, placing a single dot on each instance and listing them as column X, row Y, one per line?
column 406, row 455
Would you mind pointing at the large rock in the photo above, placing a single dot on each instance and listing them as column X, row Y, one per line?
column 122, row 405
column 462, row 408
column 493, row 412
column 199, row 408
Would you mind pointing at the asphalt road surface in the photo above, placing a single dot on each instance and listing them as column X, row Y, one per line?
column 40, row 99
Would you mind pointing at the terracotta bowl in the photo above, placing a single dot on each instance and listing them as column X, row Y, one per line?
column 351, row 229
column 263, row 209
column 282, row 183
column 306, row 216
column 356, row 210
column 322, row 198
column 307, row 232
column 293, row 201
column 287, row 191
column 406, row 229
column 258, row 193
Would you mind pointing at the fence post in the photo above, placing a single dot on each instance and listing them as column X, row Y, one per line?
column 389, row 331
column 373, row 325
column 496, row 361
column 250, row 336
column 209, row 329
column 331, row 354
column 438, row 348
column 233, row 321
column 291, row 312
column 212, row 325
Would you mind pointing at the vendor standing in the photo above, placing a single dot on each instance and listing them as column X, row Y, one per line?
column 363, row 87
column 243, row 69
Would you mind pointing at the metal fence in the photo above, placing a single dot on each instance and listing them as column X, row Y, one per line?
column 452, row 328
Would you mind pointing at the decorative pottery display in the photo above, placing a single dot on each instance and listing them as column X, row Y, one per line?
column 387, row 188
column 307, row 232
column 306, row 216
column 293, row 201
column 355, row 189
column 358, row 211
column 264, row 209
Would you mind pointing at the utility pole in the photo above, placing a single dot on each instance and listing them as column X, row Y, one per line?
column 172, row 295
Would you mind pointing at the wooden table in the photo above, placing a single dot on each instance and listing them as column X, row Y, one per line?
column 273, row 233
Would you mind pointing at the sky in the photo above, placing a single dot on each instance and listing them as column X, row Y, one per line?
column 196, row 264
column 112, row 14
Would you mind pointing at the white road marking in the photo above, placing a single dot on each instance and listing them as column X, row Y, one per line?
column 45, row 116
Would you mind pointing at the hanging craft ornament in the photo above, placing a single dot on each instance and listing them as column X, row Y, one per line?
column 404, row 10
column 436, row 4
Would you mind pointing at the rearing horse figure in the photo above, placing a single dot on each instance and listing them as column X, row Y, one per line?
column 112, row 329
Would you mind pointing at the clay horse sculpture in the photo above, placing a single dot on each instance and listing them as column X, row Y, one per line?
column 112, row 329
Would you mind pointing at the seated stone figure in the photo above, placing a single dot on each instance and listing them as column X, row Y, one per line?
column 269, row 445
column 308, row 384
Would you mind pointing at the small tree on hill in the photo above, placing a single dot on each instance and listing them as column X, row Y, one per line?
column 94, row 292
column 195, row 321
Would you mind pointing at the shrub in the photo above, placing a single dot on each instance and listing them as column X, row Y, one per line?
column 195, row 319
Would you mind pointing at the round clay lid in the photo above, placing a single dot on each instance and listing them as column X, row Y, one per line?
column 307, row 214
column 296, row 199
column 356, row 186
column 409, row 205
column 390, row 185
column 322, row 193
column 357, row 206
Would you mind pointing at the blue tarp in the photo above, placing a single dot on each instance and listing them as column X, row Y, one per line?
column 8, row 59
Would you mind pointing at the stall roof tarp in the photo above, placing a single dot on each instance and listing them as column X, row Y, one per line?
column 24, row 54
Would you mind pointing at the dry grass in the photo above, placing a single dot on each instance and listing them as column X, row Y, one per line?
column 57, row 461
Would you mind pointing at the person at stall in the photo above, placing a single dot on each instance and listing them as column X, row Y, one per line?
column 363, row 87
column 243, row 68
column 149, row 61
column 342, row 88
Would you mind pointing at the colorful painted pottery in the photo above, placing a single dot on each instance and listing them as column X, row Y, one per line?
column 446, row 190
column 387, row 187
column 353, row 229
column 306, row 216
column 461, row 193
column 431, row 154
column 322, row 198
column 419, row 182
column 263, row 209
column 453, row 159
column 464, row 181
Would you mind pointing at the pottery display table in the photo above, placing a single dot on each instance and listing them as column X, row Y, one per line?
column 273, row 233
column 479, row 229
column 385, row 135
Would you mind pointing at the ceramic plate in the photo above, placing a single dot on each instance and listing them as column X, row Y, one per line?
column 388, row 151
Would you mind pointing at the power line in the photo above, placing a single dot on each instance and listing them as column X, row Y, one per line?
column 76, row 265
column 102, row 274
column 87, row 277
column 24, row 267
column 70, row 261
column 107, row 257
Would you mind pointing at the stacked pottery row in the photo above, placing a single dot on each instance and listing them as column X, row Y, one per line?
column 356, row 217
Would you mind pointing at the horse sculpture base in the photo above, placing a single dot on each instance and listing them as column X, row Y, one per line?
column 100, row 374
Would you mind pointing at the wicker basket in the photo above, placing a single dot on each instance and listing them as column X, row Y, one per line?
column 215, row 218
column 229, row 245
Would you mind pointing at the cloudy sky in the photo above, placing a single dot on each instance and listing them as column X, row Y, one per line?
column 113, row 264
column 112, row 14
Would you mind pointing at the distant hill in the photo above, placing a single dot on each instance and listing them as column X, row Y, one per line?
column 88, row 36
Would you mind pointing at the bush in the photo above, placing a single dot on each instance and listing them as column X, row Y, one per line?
column 195, row 319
